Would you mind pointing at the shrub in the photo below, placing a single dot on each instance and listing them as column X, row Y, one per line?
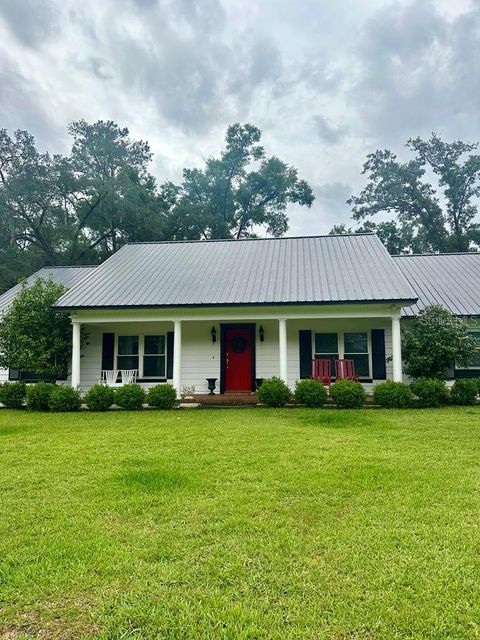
column 311, row 393
column 163, row 396
column 348, row 394
column 393, row 395
column 12, row 394
column 38, row 395
column 464, row 391
column 432, row 392
column 99, row 397
column 130, row 396
column 64, row 398
column 274, row 393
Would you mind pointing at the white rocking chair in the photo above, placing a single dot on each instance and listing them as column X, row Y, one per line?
column 109, row 377
column 128, row 375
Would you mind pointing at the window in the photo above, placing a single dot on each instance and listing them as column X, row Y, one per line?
column 326, row 348
column 147, row 354
column 127, row 357
column 356, row 349
column 475, row 361
column 154, row 357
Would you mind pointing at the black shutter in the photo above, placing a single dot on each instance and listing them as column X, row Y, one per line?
column 379, row 371
column 108, row 349
column 305, row 344
column 170, row 354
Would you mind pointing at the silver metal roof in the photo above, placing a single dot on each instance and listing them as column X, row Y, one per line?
column 68, row 276
column 320, row 270
column 450, row 279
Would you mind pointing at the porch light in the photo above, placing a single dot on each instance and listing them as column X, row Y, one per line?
column 261, row 333
column 213, row 333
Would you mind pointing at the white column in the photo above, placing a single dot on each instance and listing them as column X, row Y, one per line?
column 282, row 348
column 75, row 354
column 177, row 355
column 396, row 349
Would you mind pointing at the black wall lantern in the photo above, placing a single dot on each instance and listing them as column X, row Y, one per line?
column 213, row 333
column 261, row 333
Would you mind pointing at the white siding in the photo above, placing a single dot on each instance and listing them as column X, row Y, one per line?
column 3, row 375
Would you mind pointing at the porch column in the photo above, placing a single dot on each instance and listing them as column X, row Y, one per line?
column 75, row 354
column 177, row 355
column 396, row 349
column 282, row 344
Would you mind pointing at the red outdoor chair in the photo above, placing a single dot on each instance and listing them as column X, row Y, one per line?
column 345, row 370
column 321, row 371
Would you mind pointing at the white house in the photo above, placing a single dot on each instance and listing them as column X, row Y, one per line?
column 238, row 311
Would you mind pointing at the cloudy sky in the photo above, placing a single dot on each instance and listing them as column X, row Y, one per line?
column 326, row 80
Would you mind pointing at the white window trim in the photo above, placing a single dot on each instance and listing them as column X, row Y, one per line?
column 141, row 352
column 341, row 346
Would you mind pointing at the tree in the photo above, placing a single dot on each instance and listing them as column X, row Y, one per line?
column 34, row 336
column 238, row 192
column 434, row 342
column 428, row 218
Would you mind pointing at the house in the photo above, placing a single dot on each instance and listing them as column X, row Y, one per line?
column 238, row 311
column 68, row 276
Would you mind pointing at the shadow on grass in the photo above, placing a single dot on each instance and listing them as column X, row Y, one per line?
column 337, row 418
column 150, row 480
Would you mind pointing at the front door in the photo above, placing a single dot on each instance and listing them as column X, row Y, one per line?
column 238, row 358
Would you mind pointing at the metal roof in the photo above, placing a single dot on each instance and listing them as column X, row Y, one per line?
column 68, row 276
column 449, row 279
column 319, row 270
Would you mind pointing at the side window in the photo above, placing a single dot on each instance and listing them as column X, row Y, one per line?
column 154, row 357
column 127, row 355
column 326, row 348
column 475, row 362
column 356, row 349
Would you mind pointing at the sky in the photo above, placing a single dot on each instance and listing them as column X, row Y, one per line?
column 327, row 81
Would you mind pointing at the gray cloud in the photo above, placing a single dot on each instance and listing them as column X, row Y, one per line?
column 327, row 132
column 32, row 21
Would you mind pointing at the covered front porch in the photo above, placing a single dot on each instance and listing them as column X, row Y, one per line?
column 234, row 348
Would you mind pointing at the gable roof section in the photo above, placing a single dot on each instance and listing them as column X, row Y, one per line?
column 317, row 270
column 68, row 276
column 450, row 279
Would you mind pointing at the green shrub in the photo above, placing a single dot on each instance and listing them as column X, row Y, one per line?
column 99, row 397
column 130, row 396
column 348, row 394
column 38, row 395
column 431, row 391
column 274, row 393
column 393, row 395
column 64, row 398
column 464, row 391
column 163, row 396
column 311, row 393
column 12, row 394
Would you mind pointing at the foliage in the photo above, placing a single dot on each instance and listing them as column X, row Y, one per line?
column 311, row 393
column 162, row 396
column 38, row 396
column 432, row 392
column 34, row 336
column 130, row 396
column 464, row 391
column 435, row 341
column 273, row 392
column 348, row 394
column 13, row 394
column 100, row 397
column 64, row 398
column 392, row 395
column 422, row 221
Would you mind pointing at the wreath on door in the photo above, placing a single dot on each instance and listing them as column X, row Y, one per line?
column 238, row 344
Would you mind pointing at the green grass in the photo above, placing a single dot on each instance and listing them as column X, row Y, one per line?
column 240, row 524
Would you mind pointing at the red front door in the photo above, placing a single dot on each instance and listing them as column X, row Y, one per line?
column 238, row 359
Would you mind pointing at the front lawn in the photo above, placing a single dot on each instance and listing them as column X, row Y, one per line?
column 240, row 524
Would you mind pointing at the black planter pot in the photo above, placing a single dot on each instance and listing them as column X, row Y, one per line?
column 212, row 383
column 258, row 383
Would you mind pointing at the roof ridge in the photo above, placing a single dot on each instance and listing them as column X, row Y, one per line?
column 441, row 253
column 69, row 266
column 212, row 240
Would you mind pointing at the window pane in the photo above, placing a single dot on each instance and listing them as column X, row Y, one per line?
column 326, row 343
column 356, row 343
column 361, row 364
column 154, row 344
column 328, row 356
column 127, row 362
column 154, row 367
column 127, row 345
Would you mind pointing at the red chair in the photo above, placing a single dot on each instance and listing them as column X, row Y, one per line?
column 321, row 371
column 345, row 370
